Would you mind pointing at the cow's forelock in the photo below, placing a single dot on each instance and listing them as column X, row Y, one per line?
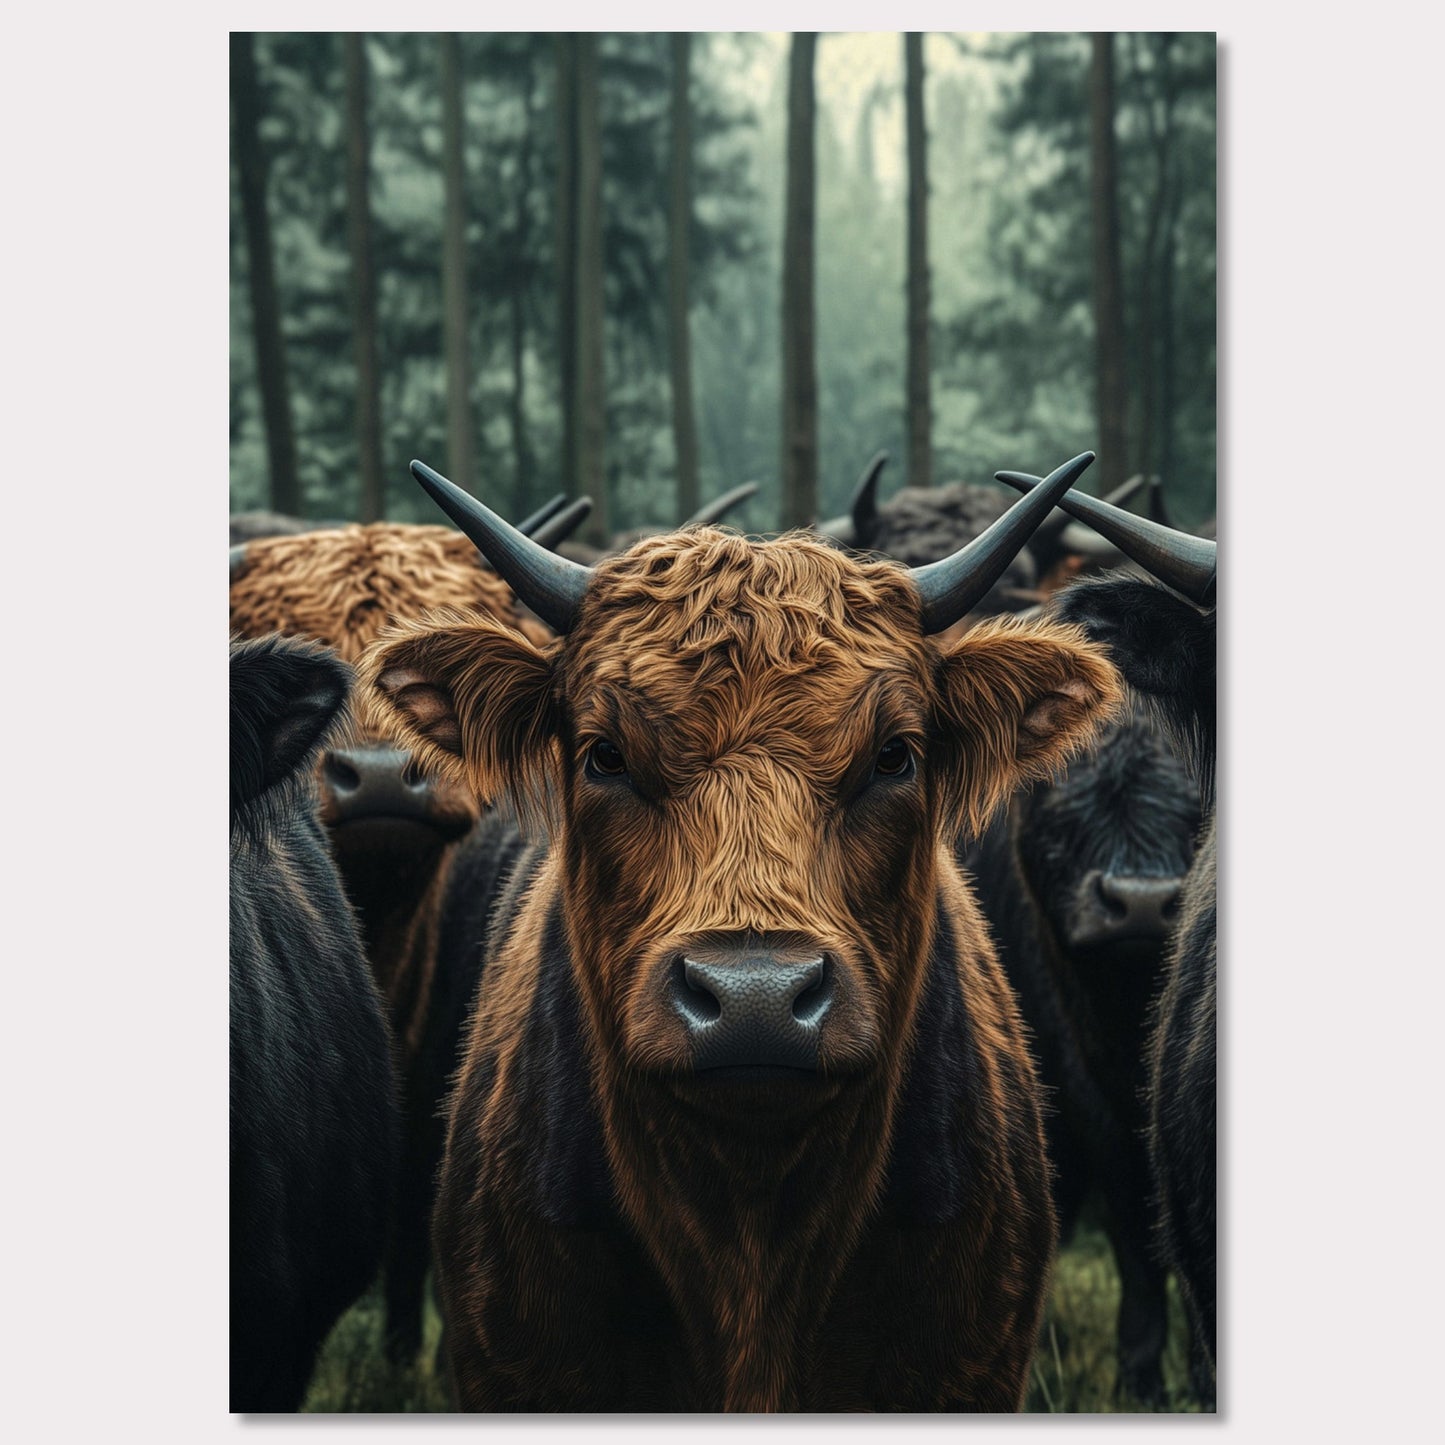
column 732, row 674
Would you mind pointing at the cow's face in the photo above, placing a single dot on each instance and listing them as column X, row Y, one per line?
column 750, row 753
column 341, row 587
column 1104, row 850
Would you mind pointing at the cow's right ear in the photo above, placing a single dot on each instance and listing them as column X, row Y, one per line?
column 470, row 697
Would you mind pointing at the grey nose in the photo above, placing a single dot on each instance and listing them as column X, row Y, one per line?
column 1129, row 906
column 748, row 1008
column 374, row 782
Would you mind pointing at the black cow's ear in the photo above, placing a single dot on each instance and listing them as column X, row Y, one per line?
column 1165, row 648
column 469, row 696
column 285, row 697
column 1161, row 643
column 1015, row 702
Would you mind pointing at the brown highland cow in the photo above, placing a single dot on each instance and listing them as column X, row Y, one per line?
column 747, row 1120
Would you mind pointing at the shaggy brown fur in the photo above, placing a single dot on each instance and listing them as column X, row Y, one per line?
column 773, row 1247
column 344, row 586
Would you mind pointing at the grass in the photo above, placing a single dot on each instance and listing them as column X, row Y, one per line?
column 1074, row 1368
column 1073, row 1371
column 353, row 1374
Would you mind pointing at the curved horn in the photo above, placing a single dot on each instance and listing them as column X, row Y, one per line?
column 1185, row 563
column 550, row 585
column 719, row 507
column 863, row 509
column 528, row 525
column 1057, row 531
column 561, row 526
column 238, row 560
column 951, row 587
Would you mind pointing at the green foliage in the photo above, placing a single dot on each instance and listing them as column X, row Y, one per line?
column 510, row 133
column 1017, row 363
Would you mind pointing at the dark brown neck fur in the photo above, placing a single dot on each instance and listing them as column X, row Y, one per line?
column 751, row 1217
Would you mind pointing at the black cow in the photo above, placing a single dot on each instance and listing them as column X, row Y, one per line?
column 313, row 1097
column 1165, row 648
column 918, row 524
column 1080, row 881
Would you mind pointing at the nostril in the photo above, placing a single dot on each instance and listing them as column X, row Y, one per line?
column 1114, row 906
column 412, row 775
column 1171, row 906
column 812, row 1003
column 340, row 774
column 695, row 1001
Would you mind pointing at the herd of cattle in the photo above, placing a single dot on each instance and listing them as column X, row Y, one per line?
column 726, row 964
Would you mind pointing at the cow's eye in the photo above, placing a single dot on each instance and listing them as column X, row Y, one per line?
column 895, row 759
column 605, row 761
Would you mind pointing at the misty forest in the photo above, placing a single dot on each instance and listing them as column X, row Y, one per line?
column 646, row 268
column 629, row 265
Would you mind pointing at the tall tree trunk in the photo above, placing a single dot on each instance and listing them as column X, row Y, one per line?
column 265, row 309
column 1148, row 387
column 521, row 446
column 920, row 402
column 363, row 280
column 800, row 375
column 460, row 429
column 1108, row 288
column 1168, row 330
column 1160, row 130
column 679, row 228
column 590, row 415
column 566, row 44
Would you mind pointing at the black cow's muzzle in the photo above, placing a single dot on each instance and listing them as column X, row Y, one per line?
column 1113, row 908
column 752, row 1007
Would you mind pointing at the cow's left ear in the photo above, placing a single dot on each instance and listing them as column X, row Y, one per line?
column 1016, row 701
